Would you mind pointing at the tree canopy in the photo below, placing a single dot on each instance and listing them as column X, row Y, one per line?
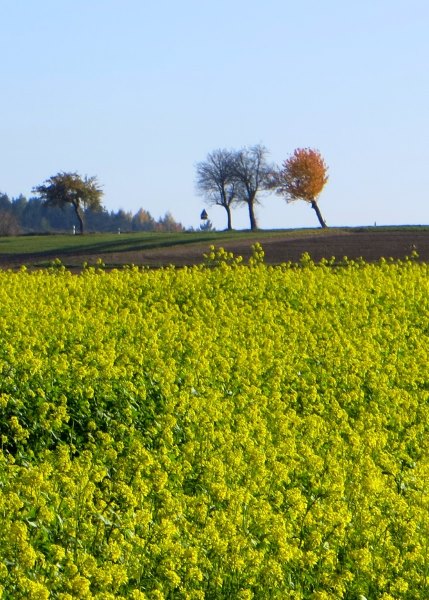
column 302, row 177
column 215, row 180
column 251, row 171
column 71, row 189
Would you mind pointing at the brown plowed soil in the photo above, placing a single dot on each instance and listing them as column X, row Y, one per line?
column 368, row 245
column 354, row 243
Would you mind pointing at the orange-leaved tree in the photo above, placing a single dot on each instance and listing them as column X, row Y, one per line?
column 302, row 177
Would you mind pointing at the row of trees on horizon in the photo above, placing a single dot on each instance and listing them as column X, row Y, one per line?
column 227, row 178
column 23, row 216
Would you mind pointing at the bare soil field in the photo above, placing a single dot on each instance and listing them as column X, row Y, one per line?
column 371, row 245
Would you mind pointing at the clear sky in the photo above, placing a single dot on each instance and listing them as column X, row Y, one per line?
column 137, row 92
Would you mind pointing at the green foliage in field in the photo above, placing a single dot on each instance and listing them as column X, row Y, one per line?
column 219, row 432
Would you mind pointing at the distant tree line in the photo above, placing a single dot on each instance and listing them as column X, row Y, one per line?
column 21, row 215
column 226, row 178
column 230, row 178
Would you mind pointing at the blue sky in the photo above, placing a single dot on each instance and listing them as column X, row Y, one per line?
column 137, row 92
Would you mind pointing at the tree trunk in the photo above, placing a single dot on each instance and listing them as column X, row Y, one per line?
column 228, row 212
column 318, row 213
column 253, row 222
column 79, row 217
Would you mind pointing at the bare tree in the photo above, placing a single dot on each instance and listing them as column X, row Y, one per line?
column 215, row 180
column 251, row 173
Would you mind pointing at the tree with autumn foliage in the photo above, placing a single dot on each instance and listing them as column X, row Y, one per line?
column 302, row 177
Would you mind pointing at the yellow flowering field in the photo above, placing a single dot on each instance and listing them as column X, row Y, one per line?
column 225, row 431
